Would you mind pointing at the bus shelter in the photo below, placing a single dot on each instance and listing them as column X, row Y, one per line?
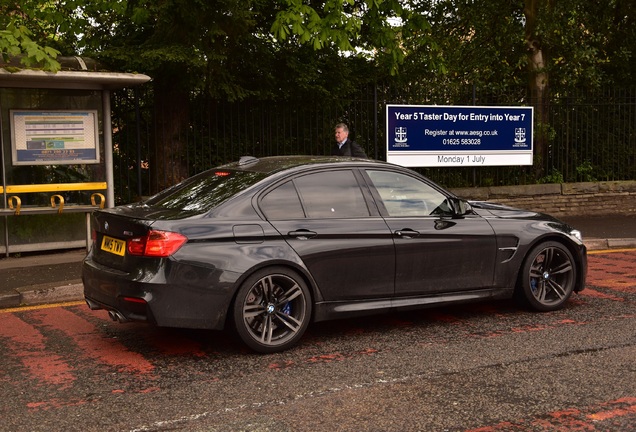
column 56, row 143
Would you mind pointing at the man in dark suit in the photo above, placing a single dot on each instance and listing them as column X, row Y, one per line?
column 344, row 146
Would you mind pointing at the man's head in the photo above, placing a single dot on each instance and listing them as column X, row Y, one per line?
column 341, row 132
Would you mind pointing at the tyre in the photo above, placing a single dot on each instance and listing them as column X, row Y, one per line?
column 547, row 277
column 272, row 310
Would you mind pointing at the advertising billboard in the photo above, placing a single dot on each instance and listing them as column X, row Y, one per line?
column 434, row 135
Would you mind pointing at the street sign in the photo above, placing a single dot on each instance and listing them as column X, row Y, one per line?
column 434, row 136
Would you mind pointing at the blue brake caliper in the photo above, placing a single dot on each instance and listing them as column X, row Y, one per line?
column 533, row 285
column 286, row 309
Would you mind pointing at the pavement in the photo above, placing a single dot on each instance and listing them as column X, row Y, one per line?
column 30, row 279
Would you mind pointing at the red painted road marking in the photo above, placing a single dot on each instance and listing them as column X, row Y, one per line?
column 589, row 292
column 526, row 329
column 611, row 271
column 610, row 276
column 29, row 345
column 571, row 419
column 55, row 403
column 628, row 408
column 324, row 358
column 174, row 345
column 93, row 344
column 168, row 342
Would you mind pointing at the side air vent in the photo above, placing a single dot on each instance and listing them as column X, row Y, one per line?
column 507, row 247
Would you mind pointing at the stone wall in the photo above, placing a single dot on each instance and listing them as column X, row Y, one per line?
column 567, row 199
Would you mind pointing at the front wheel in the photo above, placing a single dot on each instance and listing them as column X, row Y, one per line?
column 548, row 277
column 272, row 310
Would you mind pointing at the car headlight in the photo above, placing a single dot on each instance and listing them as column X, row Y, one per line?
column 577, row 234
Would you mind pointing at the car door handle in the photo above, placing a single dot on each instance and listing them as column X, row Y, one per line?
column 406, row 233
column 302, row 234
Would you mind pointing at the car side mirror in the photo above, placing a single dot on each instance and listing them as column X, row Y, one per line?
column 459, row 207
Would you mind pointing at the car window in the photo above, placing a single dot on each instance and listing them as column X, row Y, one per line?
column 404, row 195
column 331, row 194
column 282, row 203
column 204, row 191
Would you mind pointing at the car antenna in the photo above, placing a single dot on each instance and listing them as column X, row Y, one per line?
column 246, row 160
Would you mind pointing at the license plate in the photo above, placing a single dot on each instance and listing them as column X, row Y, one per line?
column 113, row 245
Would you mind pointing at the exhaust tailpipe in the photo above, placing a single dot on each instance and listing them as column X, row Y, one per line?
column 117, row 316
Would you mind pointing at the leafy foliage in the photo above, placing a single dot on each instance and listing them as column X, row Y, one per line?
column 292, row 53
column 236, row 49
column 16, row 39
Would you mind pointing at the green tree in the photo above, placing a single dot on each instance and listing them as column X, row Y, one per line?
column 23, row 33
column 187, row 47
column 221, row 48
column 573, row 45
column 384, row 31
column 427, row 51
column 549, row 47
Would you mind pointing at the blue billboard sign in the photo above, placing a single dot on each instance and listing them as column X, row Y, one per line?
column 434, row 135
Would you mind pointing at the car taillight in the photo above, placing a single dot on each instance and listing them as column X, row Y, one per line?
column 156, row 244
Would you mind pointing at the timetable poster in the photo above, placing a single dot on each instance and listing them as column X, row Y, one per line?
column 54, row 137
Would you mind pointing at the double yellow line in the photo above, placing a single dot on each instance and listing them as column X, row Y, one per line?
column 605, row 251
column 42, row 306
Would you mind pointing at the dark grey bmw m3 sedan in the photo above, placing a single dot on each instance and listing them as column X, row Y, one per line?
column 267, row 246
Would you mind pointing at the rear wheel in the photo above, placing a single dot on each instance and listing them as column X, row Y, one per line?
column 272, row 310
column 548, row 277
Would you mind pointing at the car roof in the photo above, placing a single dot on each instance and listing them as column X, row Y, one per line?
column 272, row 164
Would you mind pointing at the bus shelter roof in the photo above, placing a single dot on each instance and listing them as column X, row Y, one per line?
column 77, row 73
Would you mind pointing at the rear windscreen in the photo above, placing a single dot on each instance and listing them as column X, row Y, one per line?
column 205, row 191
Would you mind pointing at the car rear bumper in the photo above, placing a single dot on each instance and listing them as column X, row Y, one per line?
column 156, row 299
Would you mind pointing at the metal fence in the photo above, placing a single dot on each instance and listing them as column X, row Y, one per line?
column 591, row 135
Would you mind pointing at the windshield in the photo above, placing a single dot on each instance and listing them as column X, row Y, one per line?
column 205, row 191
